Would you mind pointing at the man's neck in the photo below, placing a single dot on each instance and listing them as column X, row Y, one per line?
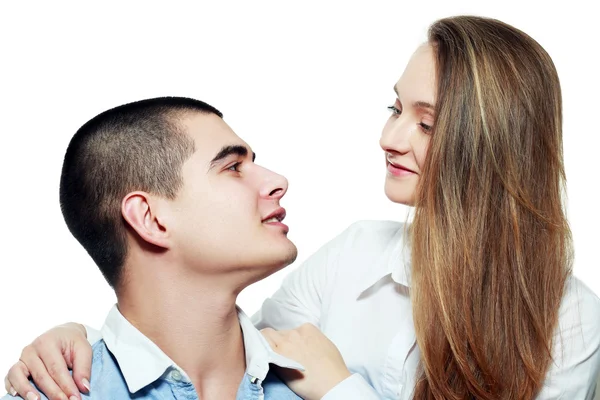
column 195, row 323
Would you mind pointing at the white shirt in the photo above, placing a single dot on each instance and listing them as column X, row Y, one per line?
column 142, row 362
column 356, row 290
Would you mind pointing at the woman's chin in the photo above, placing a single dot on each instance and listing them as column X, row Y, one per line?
column 400, row 196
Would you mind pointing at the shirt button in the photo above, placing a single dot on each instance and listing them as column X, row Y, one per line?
column 399, row 390
column 176, row 375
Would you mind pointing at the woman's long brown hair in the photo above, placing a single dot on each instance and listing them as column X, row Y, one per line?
column 491, row 247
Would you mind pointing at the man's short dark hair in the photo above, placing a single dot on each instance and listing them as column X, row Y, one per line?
column 136, row 146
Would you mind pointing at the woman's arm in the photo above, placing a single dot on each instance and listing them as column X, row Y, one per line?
column 289, row 320
column 576, row 353
column 48, row 359
column 300, row 298
column 325, row 375
column 298, row 301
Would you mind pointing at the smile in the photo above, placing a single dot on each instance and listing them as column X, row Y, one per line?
column 276, row 216
column 399, row 170
column 274, row 220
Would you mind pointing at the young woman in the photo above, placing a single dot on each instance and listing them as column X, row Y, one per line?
column 475, row 298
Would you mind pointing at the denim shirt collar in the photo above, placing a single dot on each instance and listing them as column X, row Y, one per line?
column 142, row 362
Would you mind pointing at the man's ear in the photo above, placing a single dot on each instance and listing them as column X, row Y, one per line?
column 137, row 209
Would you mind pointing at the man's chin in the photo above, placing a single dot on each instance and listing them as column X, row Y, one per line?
column 286, row 254
column 267, row 269
column 282, row 251
column 279, row 258
column 291, row 256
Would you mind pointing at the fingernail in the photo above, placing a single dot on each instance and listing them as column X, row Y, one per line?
column 73, row 398
column 12, row 391
column 31, row 396
column 86, row 384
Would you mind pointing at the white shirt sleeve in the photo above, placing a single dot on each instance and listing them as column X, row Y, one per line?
column 300, row 297
column 355, row 387
column 92, row 334
column 576, row 352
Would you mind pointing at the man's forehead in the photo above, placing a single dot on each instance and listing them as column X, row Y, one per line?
column 211, row 134
column 202, row 125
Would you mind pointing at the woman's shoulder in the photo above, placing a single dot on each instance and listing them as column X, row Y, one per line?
column 578, row 333
column 375, row 232
column 580, row 308
column 576, row 348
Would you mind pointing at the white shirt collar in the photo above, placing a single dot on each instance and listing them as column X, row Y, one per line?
column 395, row 261
column 258, row 352
column 142, row 362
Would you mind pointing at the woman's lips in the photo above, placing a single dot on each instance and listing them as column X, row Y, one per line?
column 399, row 170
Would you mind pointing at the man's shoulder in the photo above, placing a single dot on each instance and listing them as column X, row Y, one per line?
column 105, row 376
column 275, row 389
column 106, row 381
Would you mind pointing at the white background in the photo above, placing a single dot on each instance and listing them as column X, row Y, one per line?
column 305, row 83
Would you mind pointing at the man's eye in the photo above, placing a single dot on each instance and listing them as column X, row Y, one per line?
column 235, row 167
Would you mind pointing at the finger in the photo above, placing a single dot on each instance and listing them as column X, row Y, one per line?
column 267, row 332
column 307, row 327
column 9, row 388
column 272, row 333
column 82, row 365
column 41, row 377
column 288, row 375
column 272, row 336
column 18, row 378
column 57, row 368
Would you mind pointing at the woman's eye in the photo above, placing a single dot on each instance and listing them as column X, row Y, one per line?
column 425, row 126
column 394, row 110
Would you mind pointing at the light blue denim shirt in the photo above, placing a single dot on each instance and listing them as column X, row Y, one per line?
column 128, row 365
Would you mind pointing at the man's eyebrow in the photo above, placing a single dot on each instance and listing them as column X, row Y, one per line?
column 418, row 104
column 226, row 151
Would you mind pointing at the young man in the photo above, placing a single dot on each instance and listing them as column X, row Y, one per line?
column 169, row 203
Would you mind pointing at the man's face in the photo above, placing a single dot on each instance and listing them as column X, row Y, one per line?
column 226, row 216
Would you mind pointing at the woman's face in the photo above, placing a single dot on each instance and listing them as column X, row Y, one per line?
column 405, row 137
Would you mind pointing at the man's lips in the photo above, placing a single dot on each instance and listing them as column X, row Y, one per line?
column 276, row 216
column 274, row 219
